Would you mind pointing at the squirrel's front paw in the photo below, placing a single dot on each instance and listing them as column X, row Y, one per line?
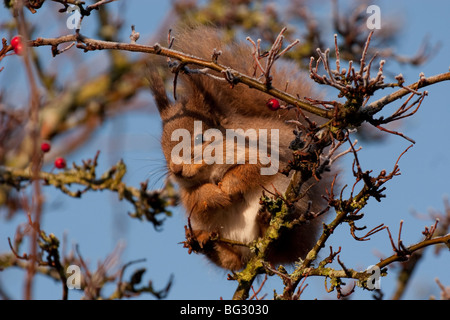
column 211, row 196
column 240, row 179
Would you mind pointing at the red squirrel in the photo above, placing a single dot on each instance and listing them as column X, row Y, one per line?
column 222, row 198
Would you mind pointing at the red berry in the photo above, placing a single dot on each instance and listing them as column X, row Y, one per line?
column 60, row 163
column 273, row 104
column 45, row 147
column 18, row 49
column 15, row 41
column 17, row 44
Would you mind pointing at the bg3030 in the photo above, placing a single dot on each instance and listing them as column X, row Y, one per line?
column 247, row 309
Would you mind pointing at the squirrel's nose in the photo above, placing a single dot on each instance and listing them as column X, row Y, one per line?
column 177, row 169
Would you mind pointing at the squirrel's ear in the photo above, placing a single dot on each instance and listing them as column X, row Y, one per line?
column 201, row 92
column 158, row 89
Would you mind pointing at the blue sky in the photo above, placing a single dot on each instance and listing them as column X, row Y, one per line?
column 98, row 222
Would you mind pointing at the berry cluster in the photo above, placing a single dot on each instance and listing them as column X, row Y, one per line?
column 17, row 44
column 60, row 162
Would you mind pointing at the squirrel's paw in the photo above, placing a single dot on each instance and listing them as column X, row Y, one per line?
column 212, row 196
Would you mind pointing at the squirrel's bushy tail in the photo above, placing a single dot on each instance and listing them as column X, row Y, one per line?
column 201, row 41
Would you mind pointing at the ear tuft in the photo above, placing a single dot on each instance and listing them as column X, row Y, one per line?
column 156, row 85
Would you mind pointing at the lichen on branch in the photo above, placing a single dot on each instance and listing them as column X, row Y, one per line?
column 148, row 205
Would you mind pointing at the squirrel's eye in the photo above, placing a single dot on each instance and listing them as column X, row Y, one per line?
column 198, row 139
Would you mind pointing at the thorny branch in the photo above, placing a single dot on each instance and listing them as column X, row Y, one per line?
column 146, row 204
column 356, row 86
column 88, row 44
column 272, row 55
column 347, row 211
column 440, row 228
column 54, row 263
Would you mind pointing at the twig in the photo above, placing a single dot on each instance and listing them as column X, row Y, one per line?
column 423, row 244
column 146, row 204
column 88, row 44
column 377, row 105
column 255, row 293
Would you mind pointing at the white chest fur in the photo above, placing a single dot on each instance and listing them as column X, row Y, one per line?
column 237, row 223
column 241, row 225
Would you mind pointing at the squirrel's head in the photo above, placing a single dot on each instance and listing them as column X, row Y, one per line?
column 192, row 137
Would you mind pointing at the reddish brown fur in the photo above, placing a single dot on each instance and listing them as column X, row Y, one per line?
column 216, row 196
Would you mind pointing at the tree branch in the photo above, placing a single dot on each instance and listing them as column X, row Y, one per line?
column 147, row 204
column 377, row 105
column 89, row 44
